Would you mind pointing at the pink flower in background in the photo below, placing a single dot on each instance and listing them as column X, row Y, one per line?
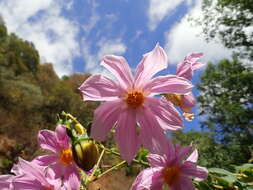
column 185, row 69
column 31, row 176
column 61, row 160
column 5, row 182
column 171, row 169
column 190, row 63
column 139, row 117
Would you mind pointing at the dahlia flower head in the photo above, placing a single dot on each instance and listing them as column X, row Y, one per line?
column 171, row 169
column 55, row 171
column 185, row 69
column 130, row 105
column 61, row 159
column 29, row 176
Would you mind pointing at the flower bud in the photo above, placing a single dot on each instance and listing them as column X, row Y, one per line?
column 85, row 153
column 79, row 128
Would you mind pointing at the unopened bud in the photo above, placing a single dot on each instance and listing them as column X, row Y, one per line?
column 85, row 154
column 79, row 128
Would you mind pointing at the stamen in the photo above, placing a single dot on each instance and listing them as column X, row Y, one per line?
column 171, row 174
column 174, row 98
column 134, row 99
column 188, row 116
column 66, row 156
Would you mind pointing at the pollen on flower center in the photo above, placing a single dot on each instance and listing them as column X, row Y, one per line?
column 66, row 156
column 174, row 98
column 134, row 99
column 171, row 174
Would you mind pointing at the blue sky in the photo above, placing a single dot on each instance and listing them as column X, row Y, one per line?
column 73, row 35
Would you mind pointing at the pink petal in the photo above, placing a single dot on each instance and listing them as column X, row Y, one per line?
column 167, row 116
column 194, row 156
column 72, row 178
column 197, row 65
column 100, row 88
column 202, row 173
column 32, row 170
column 58, row 169
column 47, row 140
column 26, row 183
column 150, row 178
column 156, row 160
column 118, row 66
column 188, row 101
column 126, row 135
column 151, row 133
column 151, row 63
column 62, row 137
column 5, row 182
column 193, row 57
column 105, row 117
column 168, row 84
column 186, row 68
column 181, row 153
column 45, row 160
column 184, row 183
column 191, row 169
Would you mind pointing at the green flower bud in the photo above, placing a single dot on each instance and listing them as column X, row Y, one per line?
column 80, row 129
column 85, row 153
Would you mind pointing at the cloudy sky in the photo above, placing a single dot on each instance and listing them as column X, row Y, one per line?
column 73, row 35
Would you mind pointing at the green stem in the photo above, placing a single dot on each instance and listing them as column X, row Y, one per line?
column 96, row 166
column 111, row 169
column 141, row 162
column 72, row 117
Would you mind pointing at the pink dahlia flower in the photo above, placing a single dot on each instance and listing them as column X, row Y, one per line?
column 31, row 176
column 185, row 69
column 61, row 160
column 171, row 169
column 130, row 105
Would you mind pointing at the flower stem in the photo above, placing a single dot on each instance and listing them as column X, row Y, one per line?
column 141, row 162
column 117, row 166
column 96, row 166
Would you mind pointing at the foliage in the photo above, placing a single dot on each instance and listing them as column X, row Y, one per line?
column 31, row 94
column 231, row 22
column 239, row 178
column 226, row 99
column 211, row 153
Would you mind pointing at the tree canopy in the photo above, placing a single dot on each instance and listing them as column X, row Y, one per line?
column 232, row 22
column 31, row 96
column 226, row 105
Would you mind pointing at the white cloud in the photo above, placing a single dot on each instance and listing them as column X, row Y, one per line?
column 53, row 34
column 105, row 47
column 185, row 38
column 93, row 19
column 159, row 9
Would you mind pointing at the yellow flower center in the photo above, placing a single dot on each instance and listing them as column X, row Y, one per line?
column 134, row 99
column 171, row 174
column 66, row 156
column 174, row 98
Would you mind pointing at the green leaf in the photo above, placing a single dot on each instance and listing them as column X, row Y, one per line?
column 220, row 171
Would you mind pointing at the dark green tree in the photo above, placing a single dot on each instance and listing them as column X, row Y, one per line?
column 232, row 22
column 226, row 104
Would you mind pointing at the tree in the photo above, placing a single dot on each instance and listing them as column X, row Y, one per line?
column 226, row 102
column 232, row 22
